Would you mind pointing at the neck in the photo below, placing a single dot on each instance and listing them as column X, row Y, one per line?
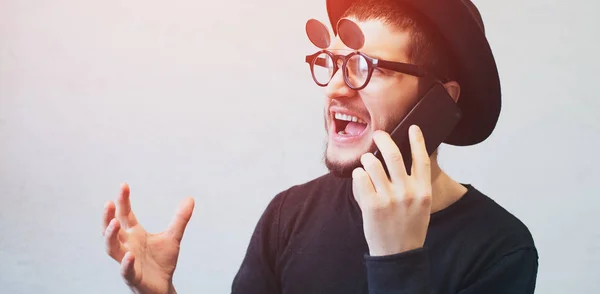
column 445, row 190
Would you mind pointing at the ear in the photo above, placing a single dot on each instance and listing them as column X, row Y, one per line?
column 453, row 89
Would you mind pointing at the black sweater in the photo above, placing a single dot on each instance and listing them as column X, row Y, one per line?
column 310, row 240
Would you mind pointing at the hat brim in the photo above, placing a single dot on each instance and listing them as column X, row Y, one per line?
column 477, row 74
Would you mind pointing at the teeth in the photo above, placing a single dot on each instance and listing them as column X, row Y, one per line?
column 346, row 117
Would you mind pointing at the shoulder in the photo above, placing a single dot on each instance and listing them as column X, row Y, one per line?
column 497, row 239
column 303, row 205
column 309, row 191
column 499, row 222
column 481, row 226
column 299, row 196
column 491, row 233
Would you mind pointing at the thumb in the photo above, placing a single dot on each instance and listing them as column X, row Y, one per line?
column 181, row 219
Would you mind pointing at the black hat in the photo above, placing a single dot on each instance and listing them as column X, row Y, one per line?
column 459, row 22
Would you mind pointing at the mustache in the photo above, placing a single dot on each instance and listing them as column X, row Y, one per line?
column 360, row 110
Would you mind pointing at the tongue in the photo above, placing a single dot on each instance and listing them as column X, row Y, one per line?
column 354, row 128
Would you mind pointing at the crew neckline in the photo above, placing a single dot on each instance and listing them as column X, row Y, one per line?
column 459, row 204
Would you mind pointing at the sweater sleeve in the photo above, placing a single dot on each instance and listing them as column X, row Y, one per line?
column 408, row 272
column 257, row 273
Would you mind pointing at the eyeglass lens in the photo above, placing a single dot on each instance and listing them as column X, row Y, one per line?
column 356, row 70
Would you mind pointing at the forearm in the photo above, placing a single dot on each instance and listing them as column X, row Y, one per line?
column 409, row 272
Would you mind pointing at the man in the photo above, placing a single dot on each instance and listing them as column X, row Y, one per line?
column 356, row 230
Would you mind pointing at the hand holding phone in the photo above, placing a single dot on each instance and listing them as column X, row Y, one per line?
column 436, row 114
column 396, row 209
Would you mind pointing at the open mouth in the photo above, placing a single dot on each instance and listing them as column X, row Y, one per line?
column 348, row 125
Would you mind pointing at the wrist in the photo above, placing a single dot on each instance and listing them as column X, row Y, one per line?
column 386, row 251
column 406, row 272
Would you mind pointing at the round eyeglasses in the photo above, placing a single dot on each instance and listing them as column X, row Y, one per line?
column 357, row 68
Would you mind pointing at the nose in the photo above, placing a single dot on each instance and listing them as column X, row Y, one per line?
column 337, row 87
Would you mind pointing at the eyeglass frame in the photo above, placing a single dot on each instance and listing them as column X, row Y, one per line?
column 372, row 64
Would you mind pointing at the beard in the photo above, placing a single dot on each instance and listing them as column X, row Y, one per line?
column 345, row 169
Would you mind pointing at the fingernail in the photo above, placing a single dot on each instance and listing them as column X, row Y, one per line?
column 416, row 130
column 378, row 133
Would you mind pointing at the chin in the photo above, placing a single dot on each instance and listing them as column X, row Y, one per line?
column 339, row 169
column 349, row 136
column 342, row 161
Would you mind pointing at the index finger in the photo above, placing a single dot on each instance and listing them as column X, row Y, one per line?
column 391, row 154
column 182, row 217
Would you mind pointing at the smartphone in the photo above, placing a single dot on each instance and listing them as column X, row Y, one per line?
column 436, row 114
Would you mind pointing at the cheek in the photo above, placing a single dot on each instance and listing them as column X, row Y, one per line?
column 388, row 103
column 384, row 111
column 388, row 121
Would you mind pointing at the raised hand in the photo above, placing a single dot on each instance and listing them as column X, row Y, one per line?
column 396, row 211
column 147, row 260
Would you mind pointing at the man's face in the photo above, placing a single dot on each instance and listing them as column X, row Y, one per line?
column 379, row 106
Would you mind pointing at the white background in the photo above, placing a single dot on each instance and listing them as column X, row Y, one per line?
column 213, row 100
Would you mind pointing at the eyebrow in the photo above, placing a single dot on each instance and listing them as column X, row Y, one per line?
column 372, row 55
column 377, row 56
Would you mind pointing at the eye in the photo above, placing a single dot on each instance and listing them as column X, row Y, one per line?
column 379, row 71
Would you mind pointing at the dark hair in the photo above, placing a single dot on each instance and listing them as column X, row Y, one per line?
column 427, row 47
